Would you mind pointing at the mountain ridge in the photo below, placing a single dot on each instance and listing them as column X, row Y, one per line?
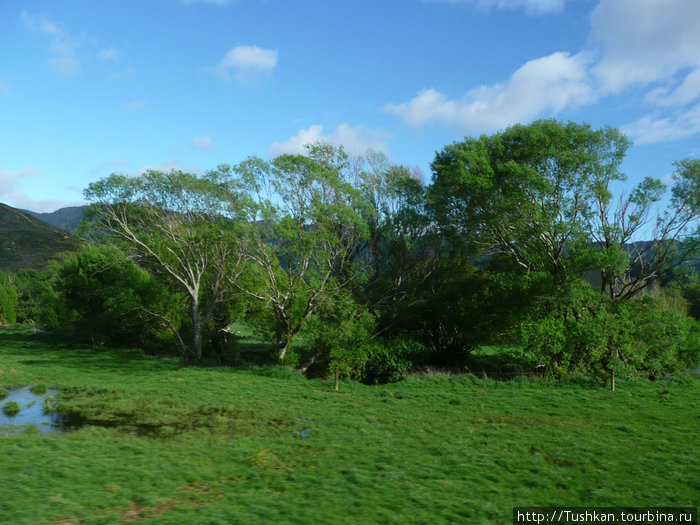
column 29, row 242
column 67, row 218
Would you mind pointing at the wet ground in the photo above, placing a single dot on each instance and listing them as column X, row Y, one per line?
column 32, row 412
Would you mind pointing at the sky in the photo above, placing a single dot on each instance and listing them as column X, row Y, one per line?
column 121, row 86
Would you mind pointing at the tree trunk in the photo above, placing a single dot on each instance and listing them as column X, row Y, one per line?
column 282, row 346
column 612, row 379
column 196, row 332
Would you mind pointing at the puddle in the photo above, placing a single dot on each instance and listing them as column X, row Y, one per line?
column 31, row 413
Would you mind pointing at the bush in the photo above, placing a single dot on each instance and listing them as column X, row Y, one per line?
column 8, row 299
column 580, row 332
column 37, row 301
column 389, row 360
column 100, row 296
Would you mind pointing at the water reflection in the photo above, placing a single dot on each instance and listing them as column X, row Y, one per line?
column 31, row 413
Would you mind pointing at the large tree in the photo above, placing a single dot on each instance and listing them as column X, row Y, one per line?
column 541, row 195
column 305, row 223
column 182, row 227
column 527, row 191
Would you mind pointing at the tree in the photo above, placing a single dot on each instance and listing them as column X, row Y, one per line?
column 184, row 228
column 104, row 297
column 628, row 265
column 398, row 245
column 526, row 192
column 541, row 194
column 305, row 223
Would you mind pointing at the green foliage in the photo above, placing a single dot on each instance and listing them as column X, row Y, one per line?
column 8, row 299
column 339, row 336
column 581, row 332
column 184, row 228
column 527, row 191
column 305, row 222
column 37, row 301
column 11, row 408
column 104, row 297
column 389, row 360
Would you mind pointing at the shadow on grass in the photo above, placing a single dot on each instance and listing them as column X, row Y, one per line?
column 502, row 363
column 33, row 347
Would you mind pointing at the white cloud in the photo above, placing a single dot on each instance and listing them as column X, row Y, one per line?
column 544, row 85
column 530, row 6
column 680, row 125
column 204, row 143
column 124, row 73
column 683, row 93
column 137, row 105
column 645, row 40
column 355, row 140
column 9, row 179
column 653, row 43
column 108, row 53
column 246, row 64
column 633, row 44
column 62, row 46
column 24, row 202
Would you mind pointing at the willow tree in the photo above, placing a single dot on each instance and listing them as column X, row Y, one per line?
column 181, row 227
column 541, row 195
column 305, row 221
column 627, row 264
column 527, row 192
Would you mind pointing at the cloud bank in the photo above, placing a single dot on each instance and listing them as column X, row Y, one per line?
column 647, row 44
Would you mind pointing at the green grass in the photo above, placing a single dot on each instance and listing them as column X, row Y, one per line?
column 171, row 443
column 11, row 408
column 38, row 389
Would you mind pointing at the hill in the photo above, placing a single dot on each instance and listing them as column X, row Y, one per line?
column 27, row 242
column 66, row 218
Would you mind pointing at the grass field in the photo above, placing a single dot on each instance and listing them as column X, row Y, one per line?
column 170, row 443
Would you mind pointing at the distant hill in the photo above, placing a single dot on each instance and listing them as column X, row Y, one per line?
column 27, row 242
column 66, row 218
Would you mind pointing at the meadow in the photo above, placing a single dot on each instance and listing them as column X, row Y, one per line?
column 157, row 440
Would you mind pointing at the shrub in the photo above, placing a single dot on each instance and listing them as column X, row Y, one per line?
column 389, row 360
column 8, row 299
column 581, row 332
column 99, row 295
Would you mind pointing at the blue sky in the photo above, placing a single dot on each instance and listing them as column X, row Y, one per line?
column 90, row 88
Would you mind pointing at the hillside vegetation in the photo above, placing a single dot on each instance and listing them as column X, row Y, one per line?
column 27, row 242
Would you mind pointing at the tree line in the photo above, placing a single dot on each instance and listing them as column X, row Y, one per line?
column 353, row 263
